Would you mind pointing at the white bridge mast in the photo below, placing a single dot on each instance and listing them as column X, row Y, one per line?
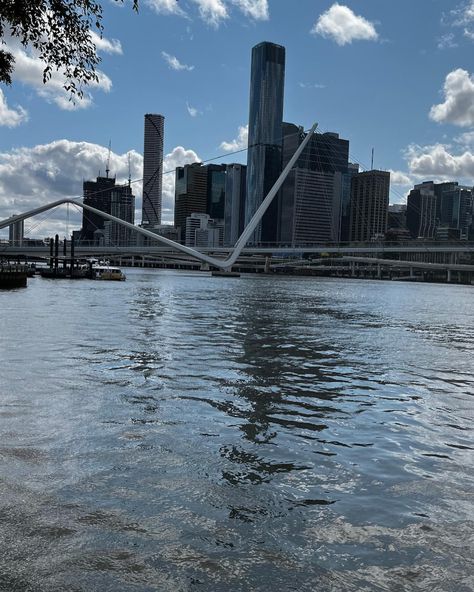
column 234, row 253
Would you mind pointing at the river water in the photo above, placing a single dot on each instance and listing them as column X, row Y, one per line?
column 177, row 432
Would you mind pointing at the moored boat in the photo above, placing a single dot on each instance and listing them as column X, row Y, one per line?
column 107, row 272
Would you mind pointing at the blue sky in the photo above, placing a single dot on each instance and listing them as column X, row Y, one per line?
column 396, row 76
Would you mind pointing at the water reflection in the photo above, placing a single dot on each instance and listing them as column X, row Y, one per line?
column 267, row 433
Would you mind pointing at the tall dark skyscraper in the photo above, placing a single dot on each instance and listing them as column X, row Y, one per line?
column 310, row 198
column 369, row 205
column 421, row 210
column 267, row 81
column 98, row 195
column 152, row 169
column 117, row 200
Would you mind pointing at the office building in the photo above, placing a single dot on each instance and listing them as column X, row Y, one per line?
column 345, row 234
column 199, row 189
column 421, row 210
column 97, row 194
column 203, row 232
column 234, row 210
column 265, row 135
column 397, row 223
column 453, row 211
column 309, row 203
column 122, row 205
column 117, row 200
column 369, row 205
column 216, row 183
column 152, row 169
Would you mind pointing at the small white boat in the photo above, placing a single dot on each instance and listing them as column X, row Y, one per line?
column 107, row 272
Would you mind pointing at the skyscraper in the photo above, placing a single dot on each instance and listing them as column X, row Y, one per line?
column 152, row 169
column 421, row 210
column 98, row 195
column 454, row 210
column 440, row 210
column 310, row 198
column 117, row 200
column 369, row 205
column 199, row 190
column 267, row 82
column 234, row 212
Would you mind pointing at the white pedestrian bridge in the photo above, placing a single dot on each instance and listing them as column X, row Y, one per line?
column 225, row 258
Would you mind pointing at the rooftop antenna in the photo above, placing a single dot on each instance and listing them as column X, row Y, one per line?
column 107, row 166
column 372, row 161
column 129, row 171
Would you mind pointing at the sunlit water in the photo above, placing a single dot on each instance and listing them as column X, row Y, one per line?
column 179, row 432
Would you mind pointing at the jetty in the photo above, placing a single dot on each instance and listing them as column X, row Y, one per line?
column 13, row 275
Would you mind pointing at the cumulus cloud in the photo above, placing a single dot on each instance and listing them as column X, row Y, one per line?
column 30, row 177
column 11, row 117
column 458, row 105
column 344, row 26
column 106, row 45
column 400, row 178
column 29, row 70
column 255, row 9
column 174, row 63
column 179, row 156
column 57, row 170
column 239, row 143
column 439, row 162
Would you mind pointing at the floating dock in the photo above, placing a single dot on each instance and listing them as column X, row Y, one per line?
column 221, row 273
column 13, row 276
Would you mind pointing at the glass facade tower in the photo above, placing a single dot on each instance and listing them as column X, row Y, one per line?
column 265, row 135
column 152, row 169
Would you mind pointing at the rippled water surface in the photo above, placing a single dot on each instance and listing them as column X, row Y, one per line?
column 180, row 432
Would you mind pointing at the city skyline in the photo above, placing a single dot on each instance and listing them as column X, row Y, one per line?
column 48, row 156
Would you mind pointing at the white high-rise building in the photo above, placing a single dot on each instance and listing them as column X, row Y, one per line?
column 152, row 169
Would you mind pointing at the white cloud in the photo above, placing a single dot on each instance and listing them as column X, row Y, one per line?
column 174, row 63
column 458, row 106
column 57, row 170
column 166, row 7
column 11, row 117
column 239, row 143
column 343, row 26
column 438, row 162
column 310, row 85
column 29, row 70
column 400, row 178
column 212, row 11
column 256, row 9
column 106, row 45
column 179, row 156
column 447, row 41
column 30, row 177
column 192, row 110
column 462, row 17
column 466, row 140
